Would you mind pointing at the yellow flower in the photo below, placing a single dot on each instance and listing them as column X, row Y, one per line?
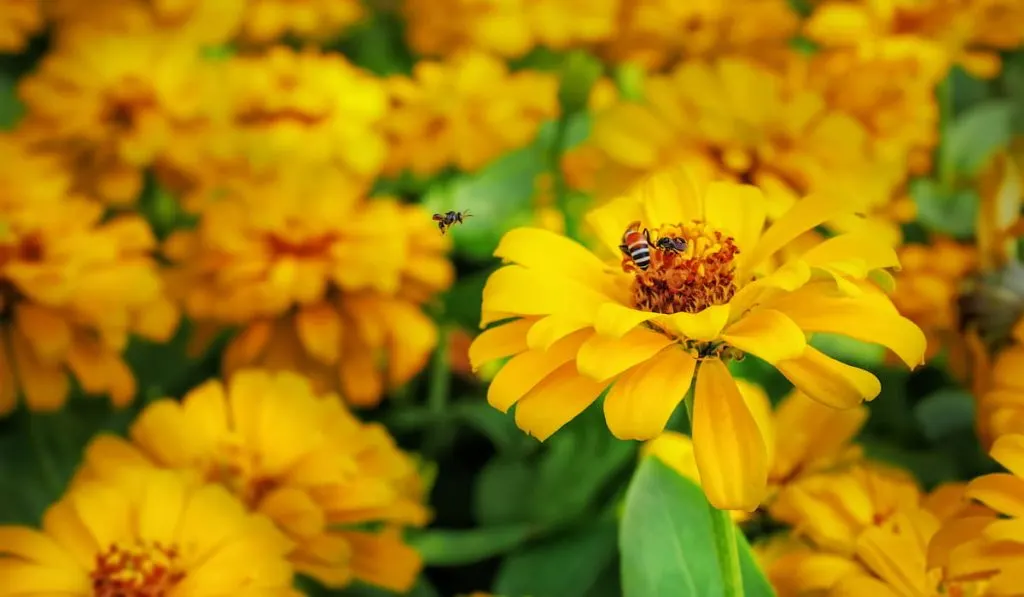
column 786, row 138
column 146, row 532
column 317, row 20
column 1000, row 410
column 508, row 28
column 194, row 21
column 285, row 107
column 73, row 287
column 110, row 104
column 21, row 19
column 795, row 568
column 319, row 282
column 987, row 544
column 450, row 113
column 656, row 33
column 584, row 325
column 301, row 459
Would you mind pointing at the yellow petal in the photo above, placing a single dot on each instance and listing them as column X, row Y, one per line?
column 829, row 381
column 858, row 246
column 33, row 546
column 728, row 446
column 999, row 491
column 761, row 409
column 45, row 385
column 640, row 403
column 896, row 558
column 674, row 449
column 46, row 330
column 526, row 370
column 553, row 328
column 499, row 342
column 383, row 559
column 319, row 328
column 516, row 289
column 609, row 221
column 737, row 209
column 160, row 509
column 553, row 254
column 556, row 401
column 21, row 578
column 602, row 357
column 768, row 334
column 704, row 325
column 671, row 196
column 616, row 320
column 1008, row 451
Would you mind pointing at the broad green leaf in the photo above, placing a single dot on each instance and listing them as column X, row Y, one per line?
column 849, row 350
column 502, row 492
column 456, row 548
column 945, row 412
column 666, row 540
column 949, row 212
column 967, row 90
column 567, row 566
column 974, row 136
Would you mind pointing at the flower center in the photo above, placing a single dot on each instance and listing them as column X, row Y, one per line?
column 691, row 268
column 137, row 570
column 28, row 249
column 237, row 469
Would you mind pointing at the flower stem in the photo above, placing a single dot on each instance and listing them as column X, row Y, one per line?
column 439, row 391
column 727, row 551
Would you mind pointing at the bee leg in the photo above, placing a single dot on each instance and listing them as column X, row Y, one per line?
column 647, row 236
column 624, row 249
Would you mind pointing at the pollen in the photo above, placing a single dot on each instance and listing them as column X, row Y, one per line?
column 136, row 570
column 688, row 281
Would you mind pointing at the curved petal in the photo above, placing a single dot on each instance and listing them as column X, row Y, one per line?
column 640, row 403
column 999, row 491
column 602, row 357
column 761, row 408
column 609, row 221
column 616, row 320
column 704, row 325
column 737, row 209
column 526, row 370
column 727, row 443
column 1008, row 451
column 858, row 246
column 545, row 251
column 499, row 342
column 895, row 557
column 671, row 196
column 553, row 328
column 674, row 449
column 555, row 401
column 829, row 381
column 521, row 291
column 767, row 334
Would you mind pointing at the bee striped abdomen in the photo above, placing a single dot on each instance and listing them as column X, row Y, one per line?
column 638, row 248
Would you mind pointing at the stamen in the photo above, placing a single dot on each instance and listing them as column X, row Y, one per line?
column 137, row 570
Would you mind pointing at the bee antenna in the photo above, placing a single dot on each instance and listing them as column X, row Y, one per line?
column 466, row 214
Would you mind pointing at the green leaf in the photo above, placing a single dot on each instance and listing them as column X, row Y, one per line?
column 502, row 492
column 462, row 301
column 377, row 45
column 977, row 134
column 944, row 413
column 849, row 350
column 666, row 540
column 11, row 107
column 567, row 566
column 457, row 548
column 952, row 212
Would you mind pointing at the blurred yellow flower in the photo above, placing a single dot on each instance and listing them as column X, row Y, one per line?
column 20, row 20
column 320, row 282
column 585, row 325
column 449, row 114
column 146, row 532
column 970, row 33
column 111, row 104
column 193, row 21
column 785, row 138
column 73, row 286
column 1000, row 409
column 316, row 20
column 796, row 568
column 508, row 28
column 301, row 459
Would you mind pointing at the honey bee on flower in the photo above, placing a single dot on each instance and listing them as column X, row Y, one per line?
column 450, row 218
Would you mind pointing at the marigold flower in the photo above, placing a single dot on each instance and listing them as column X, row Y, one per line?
column 299, row 458
column 301, row 267
column 146, row 532
column 195, row 21
column 449, row 114
column 21, row 19
column 317, row 20
column 110, row 104
column 583, row 326
column 72, row 287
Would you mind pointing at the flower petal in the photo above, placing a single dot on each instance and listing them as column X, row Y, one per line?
column 609, row 221
column 727, row 443
column 1008, row 451
column 556, row 401
column 551, row 253
column 739, row 210
column 640, row 403
column 526, row 370
column 703, row 326
column 768, row 334
column 671, row 196
column 858, row 246
column 829, row 381
column 553, row 328
column 616, row 320
column 499, row 342
column 602, row 357
column 516, row 289
column 319, row 329
column 999, row 491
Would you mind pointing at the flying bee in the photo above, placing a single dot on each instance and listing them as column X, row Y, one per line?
column 671, row 244
column 450, row 218
column 637, row 246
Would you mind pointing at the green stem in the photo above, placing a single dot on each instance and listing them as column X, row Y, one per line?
column 727, row 551
column 944, row 159
column 558, row 185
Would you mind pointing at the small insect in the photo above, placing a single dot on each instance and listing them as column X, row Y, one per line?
column 671, row 244
column 449, row 219
column 636, row 245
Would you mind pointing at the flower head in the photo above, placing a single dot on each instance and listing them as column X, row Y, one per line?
column 317, row 20
column 301, row 459
column 73, row 287
column 146, row 532
column 449, row 114
column 319, row 282
column 674, row 311
column 191, row 21
column 20, row 20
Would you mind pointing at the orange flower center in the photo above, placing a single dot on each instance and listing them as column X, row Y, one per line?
column 684, row 280
column 237, row 469
column 138, row 570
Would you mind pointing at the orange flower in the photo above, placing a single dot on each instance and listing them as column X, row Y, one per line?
column 19, row 20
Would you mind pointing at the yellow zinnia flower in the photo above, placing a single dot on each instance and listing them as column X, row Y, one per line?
column 21, row 19
column 300, row 266
column 146, row 532
column 317, row 20
column 73, row 287
column 449, row 113
column 301, row 459
column 584, row 326
column 194, row 21
column 111, row 104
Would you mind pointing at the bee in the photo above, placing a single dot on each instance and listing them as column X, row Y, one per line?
column 636, row 245
column 450, row 218
column 671, row 244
